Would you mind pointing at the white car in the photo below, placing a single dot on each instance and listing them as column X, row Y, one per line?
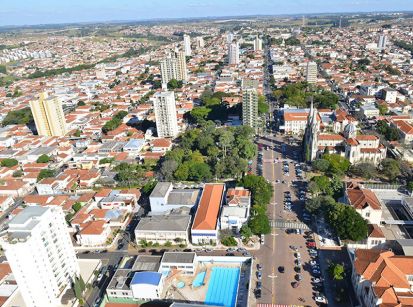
column 321, row 299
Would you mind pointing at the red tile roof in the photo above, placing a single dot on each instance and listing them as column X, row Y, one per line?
column 362, row 198
column 207, row 214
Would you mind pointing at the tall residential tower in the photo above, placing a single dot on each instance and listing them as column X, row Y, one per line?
column 311, row 72
column 48, row 116
column 174, row 67
column 233, row 53
column 41, row 255
column 250, row 105
column 165, row 114
column 187, row 45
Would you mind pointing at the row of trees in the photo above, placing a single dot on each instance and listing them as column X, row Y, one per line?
column 344, row 219
column 299, row 94
column 261, row 192
column 208, row 152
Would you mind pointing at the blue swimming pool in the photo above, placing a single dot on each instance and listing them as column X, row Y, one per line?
column 223, row 286
column 199, row 280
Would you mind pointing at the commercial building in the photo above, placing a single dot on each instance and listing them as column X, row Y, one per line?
column 233, row 53
column 187, row 45
column 165, row 197
column 165, row 114
column 173, row 228
column 48, row 116
column 173, row 66
column 41, row 255
column 205, row 227
column 250, row 106
column 311, row 72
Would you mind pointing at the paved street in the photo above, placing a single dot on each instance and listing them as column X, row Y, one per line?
column 276, row 252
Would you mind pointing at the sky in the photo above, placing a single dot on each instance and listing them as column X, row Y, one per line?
column 30, row 12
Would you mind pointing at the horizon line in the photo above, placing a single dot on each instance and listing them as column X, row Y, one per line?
column 118, row 21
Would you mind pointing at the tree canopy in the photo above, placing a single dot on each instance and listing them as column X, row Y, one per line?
column 18, row 117
column 43, row 159
column 9, row 162
column 115, row 122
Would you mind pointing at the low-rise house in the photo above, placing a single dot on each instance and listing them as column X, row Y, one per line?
column 236, row 212
column 93, row 233
column 365, row 202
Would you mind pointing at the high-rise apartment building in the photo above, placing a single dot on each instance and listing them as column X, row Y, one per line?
column 311, row 72
column 381, row 44
column 230, row 37
column 257, row 44
column 187, row 45
column 250, row 105
column 174, row 67
column 200, row 43
column 48, row 116
column 233, row 53
column 165, row 114
column 41, row 255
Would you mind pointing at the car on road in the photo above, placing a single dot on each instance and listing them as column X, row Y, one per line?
column 231, row 249
column 311, row 244
column 320, row 299
column 97, row 302
column 229, row 254
column 281, row 269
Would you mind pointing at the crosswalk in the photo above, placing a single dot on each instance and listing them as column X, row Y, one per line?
column 284, row 224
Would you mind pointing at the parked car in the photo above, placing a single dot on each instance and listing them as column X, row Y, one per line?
column 259, row 275
column 281, row 269
column 317, row 280
column 257, row 293
column 259, row 267
column 259, row 285
column 320, row 299
column 295, row 284
column 298, row 277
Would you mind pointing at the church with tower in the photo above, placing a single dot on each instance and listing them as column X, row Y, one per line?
column 340, row 137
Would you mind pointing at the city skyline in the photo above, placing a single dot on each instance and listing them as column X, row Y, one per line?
column 19, row 13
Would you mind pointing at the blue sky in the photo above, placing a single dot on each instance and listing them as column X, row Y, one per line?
column 21, row 12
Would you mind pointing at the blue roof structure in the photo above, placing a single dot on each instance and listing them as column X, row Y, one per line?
column 151, row 278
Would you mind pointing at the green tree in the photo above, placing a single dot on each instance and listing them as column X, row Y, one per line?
column 246, row 232
column 174, row 84
column 229, row 241
column 199, row 171
column 365, row 170
column 81, row 103
column 182, row 173
column 321, row 184
column 199, row 114
column 77, row 206
column 263, row 106
column 259, row 224
column 336, row 271
column 3, row 69
column 321, row 165
column 260, row 188
column 338, row 164
column 390, row 168
column 9, row 162
column 148, row 187
column 18, row 117
column 319, row 203
column 383, row 109
column 348, row 224
column 46, row 173
column 43, row 159
column 18, row 173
